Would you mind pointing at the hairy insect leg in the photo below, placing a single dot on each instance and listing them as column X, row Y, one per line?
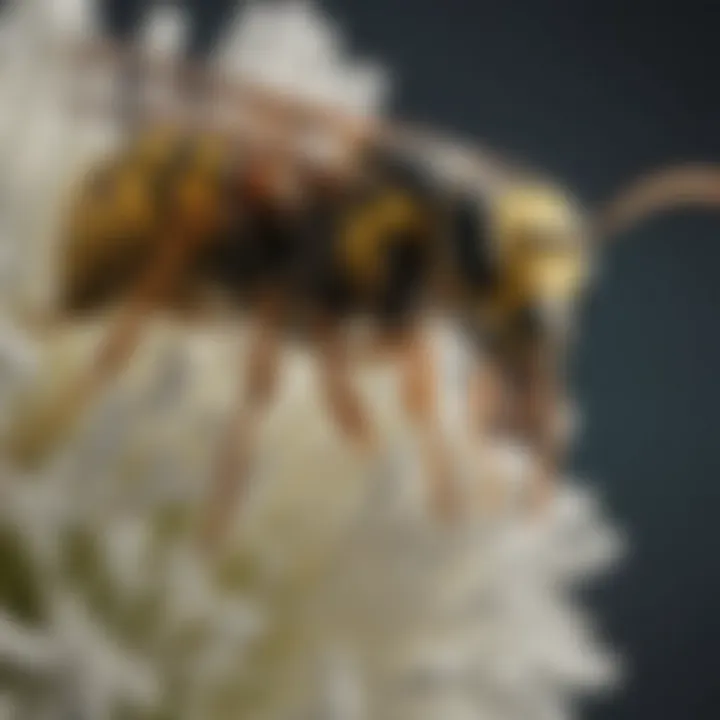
column 421, row 400
column 341, row 397
column 233, row 462
column 540, row 415
column 488, row 417
column 41, row 432
column 487, row 399
column 520, row 398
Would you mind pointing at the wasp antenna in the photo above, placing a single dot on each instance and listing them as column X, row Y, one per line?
column 696, row 185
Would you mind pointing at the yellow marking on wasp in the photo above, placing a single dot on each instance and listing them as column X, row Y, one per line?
column 369, row 231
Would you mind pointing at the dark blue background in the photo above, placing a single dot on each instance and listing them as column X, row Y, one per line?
column 598, row 91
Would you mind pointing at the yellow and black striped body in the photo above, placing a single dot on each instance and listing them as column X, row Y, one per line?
column 130, row 203
column 373, row 249
column 156, row 189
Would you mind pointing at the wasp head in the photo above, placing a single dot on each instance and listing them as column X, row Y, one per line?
column 542, row 240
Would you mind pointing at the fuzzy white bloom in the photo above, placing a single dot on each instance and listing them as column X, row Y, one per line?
column 165, row 30
column 291, row 46
column 349, row 598
column 71, row 20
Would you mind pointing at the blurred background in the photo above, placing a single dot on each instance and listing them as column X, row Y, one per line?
column 597, row 92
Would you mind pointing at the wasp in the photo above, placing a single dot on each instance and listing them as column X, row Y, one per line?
column 176, row 218
column 175, row 214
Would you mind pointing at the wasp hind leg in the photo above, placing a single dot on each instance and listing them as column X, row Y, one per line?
column 36, row 436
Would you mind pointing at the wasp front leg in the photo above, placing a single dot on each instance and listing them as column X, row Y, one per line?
column 532, row 414
column 540, row 415
column 488, row 409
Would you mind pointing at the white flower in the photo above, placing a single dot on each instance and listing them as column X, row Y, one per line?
column 291, row 46
column 368, row 607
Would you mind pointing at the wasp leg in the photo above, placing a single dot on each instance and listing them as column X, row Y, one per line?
column 234, row 459
column 36, row 436
column 488, row 417
column 540, row 415
column 420, row 397
column 342, row 399
column 521, row 401
column 487, row 400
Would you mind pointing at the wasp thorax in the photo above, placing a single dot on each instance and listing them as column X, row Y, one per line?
column 542, row 241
